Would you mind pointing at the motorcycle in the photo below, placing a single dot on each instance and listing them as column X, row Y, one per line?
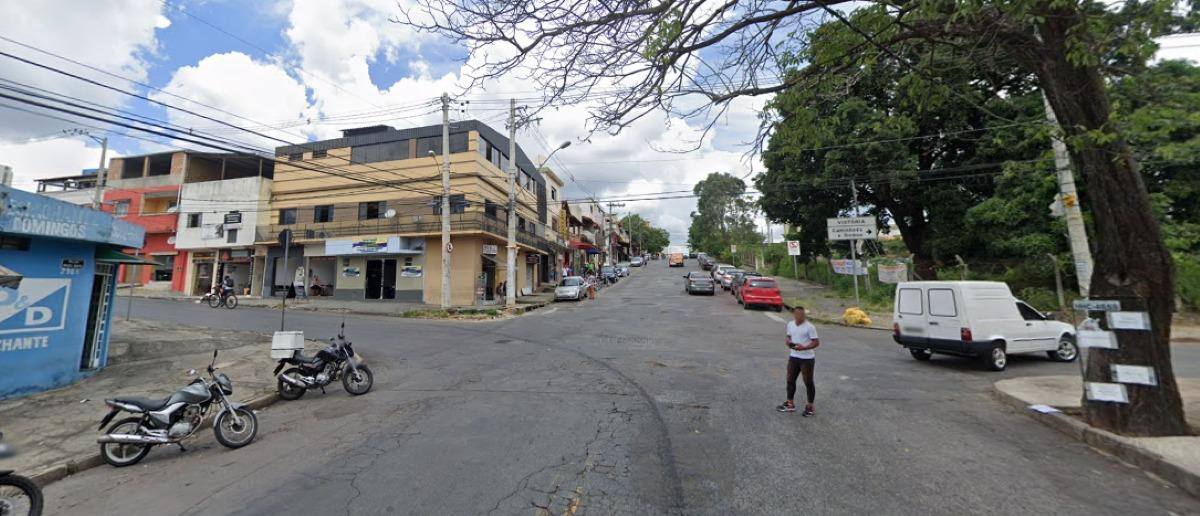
column 175, row 418
column 19, row 496
column 336, row 361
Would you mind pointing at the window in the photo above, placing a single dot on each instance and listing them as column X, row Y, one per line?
column 14, row 243
column 1029, row 314
column 458, row 204
column 320, row 153
column 231, row 236
column 287, row 216
column 166, row 266
column 371, row 210
column 296, row 156
column 193, row 220
column 941, row 303
column 376, row 152
column 554, row 193
column 520, row 223
column 323, row 213
column 489, row 208
column 458, row 142
column 431, row 143
column 121, row 208
column 909, row 302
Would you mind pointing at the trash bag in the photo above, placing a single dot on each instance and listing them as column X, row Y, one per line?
column 855, row 316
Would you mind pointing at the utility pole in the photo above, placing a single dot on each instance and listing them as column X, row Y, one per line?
column 1076, row 231
column 853, row 244
column 510, row 276
column 608, row 232
column 445, row 201
column 101, row 172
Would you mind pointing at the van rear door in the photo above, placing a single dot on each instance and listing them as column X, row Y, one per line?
column 910, row 315
column 945, row 318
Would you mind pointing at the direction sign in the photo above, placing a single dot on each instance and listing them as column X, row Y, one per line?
column 852, row 228
column 1097, row 305
column 793, row 247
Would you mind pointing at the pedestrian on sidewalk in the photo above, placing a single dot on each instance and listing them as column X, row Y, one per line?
column 801, row 340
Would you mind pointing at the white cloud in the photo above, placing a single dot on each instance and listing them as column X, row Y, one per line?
column 65, row 27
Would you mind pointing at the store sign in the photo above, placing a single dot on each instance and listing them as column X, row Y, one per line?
column 532, row 258
column 388, row 245
column 71, row 266
column 490, row 249
column 38, row 304
column 233, row 218
column 563, row 229
column 27, row 213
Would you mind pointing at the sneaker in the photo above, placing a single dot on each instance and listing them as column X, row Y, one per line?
column 786, row 407
column 808, row 411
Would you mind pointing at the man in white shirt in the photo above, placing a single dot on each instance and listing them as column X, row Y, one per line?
column 802, row 340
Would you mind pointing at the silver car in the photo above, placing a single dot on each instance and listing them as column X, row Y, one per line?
column 571, row 287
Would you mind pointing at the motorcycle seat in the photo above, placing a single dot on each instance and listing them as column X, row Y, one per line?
column 301, row 357
column 146, row 404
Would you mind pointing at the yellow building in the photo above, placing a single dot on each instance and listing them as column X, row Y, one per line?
column 364, row 211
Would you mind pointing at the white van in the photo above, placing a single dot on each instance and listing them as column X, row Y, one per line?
column 975, row 319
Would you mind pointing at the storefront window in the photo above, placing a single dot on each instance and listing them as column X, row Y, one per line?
column 165, row 268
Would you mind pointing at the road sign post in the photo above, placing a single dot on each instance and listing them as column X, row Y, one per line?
column 793, row 247
column 852, row 229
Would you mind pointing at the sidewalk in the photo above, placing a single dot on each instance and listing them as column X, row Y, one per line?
column 55, row 432
column 1176, row 459
column 823, row 304
column 321, row 304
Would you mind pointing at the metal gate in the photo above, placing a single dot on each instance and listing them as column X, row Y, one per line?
column 99, row 305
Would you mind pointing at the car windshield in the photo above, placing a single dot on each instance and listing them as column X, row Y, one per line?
column 731, row 272
column 606, row 269
column 697, row 275
column 571, row 282
column 623, row 264
column 762, row 284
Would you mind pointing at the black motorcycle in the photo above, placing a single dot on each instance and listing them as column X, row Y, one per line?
column 173, row 419
column 19, row 496
column 336, row 361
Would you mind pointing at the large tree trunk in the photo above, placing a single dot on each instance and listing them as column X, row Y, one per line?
column 1132, row 264
column 914, row 232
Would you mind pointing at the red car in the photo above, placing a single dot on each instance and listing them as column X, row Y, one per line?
column 760, row 291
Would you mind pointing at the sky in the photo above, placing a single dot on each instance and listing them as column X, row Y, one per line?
column 300, row 70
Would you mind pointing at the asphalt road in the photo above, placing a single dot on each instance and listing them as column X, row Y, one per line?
column 646, row 401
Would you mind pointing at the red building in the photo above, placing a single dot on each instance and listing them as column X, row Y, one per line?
column 145, row 190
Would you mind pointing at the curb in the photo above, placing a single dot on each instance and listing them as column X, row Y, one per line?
column 56, row 472
column 836, row 322
column 1109, row 443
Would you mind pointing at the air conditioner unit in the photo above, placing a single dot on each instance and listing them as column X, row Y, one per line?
column 308, row 233
column 322, row 234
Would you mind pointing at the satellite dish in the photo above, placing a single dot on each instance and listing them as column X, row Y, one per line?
column 171, row 240
column 391, row 213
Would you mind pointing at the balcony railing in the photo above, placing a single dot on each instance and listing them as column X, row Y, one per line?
column 459, row 223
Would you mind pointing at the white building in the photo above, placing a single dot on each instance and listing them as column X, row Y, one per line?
column 80, row 189
column 219, row 207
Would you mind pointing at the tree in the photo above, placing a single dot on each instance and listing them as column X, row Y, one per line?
column 723, row 217
column 646, row 237
column 650, row 55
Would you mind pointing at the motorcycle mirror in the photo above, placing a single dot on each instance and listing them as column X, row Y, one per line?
column 191, row 372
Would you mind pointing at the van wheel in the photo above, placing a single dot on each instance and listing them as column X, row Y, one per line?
column 921, row 354
column 996, row 359
column 1067, row 350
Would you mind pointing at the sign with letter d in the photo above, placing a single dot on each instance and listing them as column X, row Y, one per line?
column 39, row 304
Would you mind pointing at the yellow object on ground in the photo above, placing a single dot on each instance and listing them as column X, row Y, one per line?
column 856, row 317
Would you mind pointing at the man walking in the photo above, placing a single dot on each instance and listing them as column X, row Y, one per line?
column 802, row 340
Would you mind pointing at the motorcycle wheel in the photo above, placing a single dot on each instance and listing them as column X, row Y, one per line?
column 358, row 386
column 238, row 435
column 19, row 496
column 288, row 391
column 214, row 301
column 119, row 455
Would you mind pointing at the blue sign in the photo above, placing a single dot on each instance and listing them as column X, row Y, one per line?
column 25, row 213
column 39, row 304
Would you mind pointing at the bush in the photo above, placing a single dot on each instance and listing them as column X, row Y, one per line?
column 1187, row 280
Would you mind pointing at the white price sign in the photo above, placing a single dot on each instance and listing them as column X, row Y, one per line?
column 1140, row 375
column 1097, row 339
column 1128, row 320
column 1113, row 392
column 852, row 228
column 793, row 247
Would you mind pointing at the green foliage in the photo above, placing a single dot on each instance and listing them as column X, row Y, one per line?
column 723, row 217
column 1187, row 276
column 644, row 235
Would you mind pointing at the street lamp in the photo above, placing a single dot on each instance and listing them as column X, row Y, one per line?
column 560, row 147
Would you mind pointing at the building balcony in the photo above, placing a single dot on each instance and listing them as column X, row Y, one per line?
column 155, row 222
column 431, row 225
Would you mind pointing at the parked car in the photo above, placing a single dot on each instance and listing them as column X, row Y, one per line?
column 761, row 291
column 718, row 270
column 697, row 282
column 705, row 261
column 727, row 278
column 571, row 287
column 608, row 273
column 676, row 260
column 637, row 261
column 740, row 279
column 978, row 319
column 622, row 269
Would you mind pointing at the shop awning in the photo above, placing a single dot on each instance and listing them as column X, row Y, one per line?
column 111, row 256
column 580, row 244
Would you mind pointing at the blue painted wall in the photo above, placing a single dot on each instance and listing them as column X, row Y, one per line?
column 42, row 324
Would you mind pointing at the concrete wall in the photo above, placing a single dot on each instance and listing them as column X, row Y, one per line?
column 80, row 197
column 464, row 266
column 36, row 357
column 212, row 200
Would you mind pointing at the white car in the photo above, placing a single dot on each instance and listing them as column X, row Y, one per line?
column 718, row 270
column 571, row 287
column 975, row 319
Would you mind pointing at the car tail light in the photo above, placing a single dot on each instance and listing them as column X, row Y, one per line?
column 965, row 334
column 896, row 329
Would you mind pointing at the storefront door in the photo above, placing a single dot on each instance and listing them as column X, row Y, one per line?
column 99, row 304
column 381, row 279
